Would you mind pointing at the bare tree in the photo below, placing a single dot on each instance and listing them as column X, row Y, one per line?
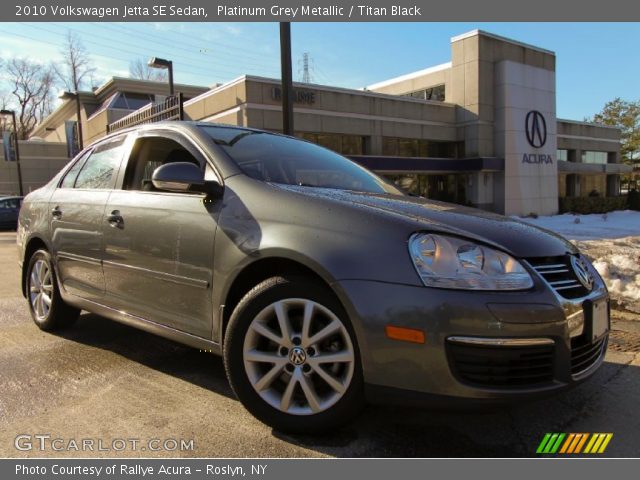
column 76, row 66
column 31, row 86
column 139, row 69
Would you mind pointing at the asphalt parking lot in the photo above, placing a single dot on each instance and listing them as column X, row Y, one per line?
column 103, row 380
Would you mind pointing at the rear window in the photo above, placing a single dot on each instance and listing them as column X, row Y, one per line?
column 69, row 179
column 98, row 172
column 279, row 159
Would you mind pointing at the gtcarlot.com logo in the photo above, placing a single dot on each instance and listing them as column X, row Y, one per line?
column 46, row 442
column 574, row 443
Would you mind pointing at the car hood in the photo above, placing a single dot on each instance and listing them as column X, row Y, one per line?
column 516, row 237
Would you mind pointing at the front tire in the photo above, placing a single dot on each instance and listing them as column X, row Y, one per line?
column 48, row 310
column 292, row 358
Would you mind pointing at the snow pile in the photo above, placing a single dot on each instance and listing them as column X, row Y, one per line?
column 625, row 223
column 618, row 263
column 612, row 242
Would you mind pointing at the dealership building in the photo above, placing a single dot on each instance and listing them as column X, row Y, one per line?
column 479, row 130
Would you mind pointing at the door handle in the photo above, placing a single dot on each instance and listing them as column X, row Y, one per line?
column 115, row 219
column 56, row 212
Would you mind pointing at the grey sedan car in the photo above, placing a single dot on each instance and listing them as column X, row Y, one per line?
column 322, row 285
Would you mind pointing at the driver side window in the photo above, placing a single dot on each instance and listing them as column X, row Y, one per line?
column 150, row 153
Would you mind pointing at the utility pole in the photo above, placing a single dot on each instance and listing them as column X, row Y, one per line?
column 287, row 81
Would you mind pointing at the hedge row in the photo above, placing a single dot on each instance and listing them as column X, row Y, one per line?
column 586, row 205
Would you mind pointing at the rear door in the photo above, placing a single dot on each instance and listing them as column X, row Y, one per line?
column 77, row 215
column 158, row 261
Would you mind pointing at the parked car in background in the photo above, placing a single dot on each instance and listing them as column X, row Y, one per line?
column 9, row 211
column 320, row 284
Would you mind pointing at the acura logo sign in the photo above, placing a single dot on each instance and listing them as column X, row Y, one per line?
column 582, row 272
column 536, row 127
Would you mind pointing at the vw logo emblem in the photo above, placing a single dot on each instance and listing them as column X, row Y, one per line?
column 536, row 128
column 297, row 356
column 582, row 272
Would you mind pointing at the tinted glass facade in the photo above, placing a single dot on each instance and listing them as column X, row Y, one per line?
column 344, row 144
column 412, row 147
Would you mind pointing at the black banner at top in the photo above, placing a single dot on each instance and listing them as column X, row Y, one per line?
column 316, row 10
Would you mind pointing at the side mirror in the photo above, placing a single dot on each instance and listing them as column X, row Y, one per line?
column 177, row 177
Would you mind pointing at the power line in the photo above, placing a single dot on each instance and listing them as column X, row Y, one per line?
column 189, row 48
column 222, row 44
column 110, row 47
column 93, row 54
column 128, row 50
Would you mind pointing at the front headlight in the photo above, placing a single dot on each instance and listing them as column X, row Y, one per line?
column 450, row 262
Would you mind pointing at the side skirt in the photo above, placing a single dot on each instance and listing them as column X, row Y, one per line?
column 143, row 324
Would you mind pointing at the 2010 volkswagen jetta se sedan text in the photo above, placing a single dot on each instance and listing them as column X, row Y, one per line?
column 321, row 284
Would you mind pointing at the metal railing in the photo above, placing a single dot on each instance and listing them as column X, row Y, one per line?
column 171, row 109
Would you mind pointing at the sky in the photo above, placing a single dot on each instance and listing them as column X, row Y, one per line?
column 596, row 62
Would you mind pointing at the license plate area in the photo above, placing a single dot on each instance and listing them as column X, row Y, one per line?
column 597, row 315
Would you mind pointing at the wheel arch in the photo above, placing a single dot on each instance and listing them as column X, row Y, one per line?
column 34, row 244
column 260, row 269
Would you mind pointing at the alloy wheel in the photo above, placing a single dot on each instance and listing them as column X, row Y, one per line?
column 298, row 356
column 41, row 289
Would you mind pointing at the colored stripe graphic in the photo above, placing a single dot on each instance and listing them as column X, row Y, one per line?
column 543, row 443
column 604, row 445
column 567, row 443
column 598, row 443
column 574, row 443
column 556, row 445
column 581, row 443
column 593, row 439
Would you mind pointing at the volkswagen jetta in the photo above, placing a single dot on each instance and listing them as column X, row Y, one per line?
column 321, row 284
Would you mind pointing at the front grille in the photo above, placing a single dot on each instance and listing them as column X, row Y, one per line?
column 559, row 274
column 584, row 353
column 502, row 367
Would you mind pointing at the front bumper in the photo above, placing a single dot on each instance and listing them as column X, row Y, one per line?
column 465, row 356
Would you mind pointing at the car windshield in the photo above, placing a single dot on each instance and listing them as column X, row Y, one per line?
column 279, row 159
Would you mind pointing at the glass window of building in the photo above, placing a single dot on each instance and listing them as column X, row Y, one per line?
column 344, row 144
column 594, row 157
column 447, row 188
column 432, row 93
column 410, row 147
column 131, row 101
column 562, row 154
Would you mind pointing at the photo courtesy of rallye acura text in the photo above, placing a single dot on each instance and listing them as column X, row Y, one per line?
column 322, row 285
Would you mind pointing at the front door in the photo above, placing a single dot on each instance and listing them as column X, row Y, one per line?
column 158, row 261
column 76, row 209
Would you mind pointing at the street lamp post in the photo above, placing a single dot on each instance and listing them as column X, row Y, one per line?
column 156, row 62
column 76, row 95
column 287, row 81
column 12, row 113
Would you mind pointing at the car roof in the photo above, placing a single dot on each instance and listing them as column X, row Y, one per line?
column 11, row 197
column 177, row 124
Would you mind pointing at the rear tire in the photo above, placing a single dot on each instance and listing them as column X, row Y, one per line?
column 48, row 310
column 291, row 357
